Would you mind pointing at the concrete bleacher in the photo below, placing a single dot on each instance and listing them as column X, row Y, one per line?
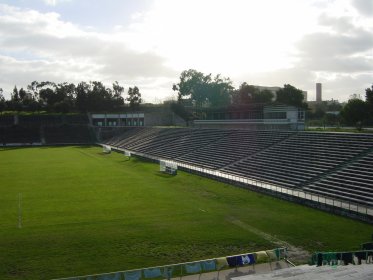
column 19, row 135
column 336, row 165
column 37, row 129
column 152, row 141
column 303, row 157
column 6, row 120
column 68, row 134
column 52, row 119
column 234, row 146
column 353, row 182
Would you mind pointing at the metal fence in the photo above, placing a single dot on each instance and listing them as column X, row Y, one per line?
column 194, row 268
column 342, row 258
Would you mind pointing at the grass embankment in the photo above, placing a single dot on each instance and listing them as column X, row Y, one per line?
column 84, row 212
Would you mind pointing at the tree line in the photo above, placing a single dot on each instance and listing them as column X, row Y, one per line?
column 194, row 89
column 357, row 111
column 199, row 90
column 66, row 97
column 202, row 90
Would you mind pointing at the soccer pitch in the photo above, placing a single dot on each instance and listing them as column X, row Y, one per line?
column 67, row 211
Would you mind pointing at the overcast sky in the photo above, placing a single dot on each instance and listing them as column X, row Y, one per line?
column 148, row 43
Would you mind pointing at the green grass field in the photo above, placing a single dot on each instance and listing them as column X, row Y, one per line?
column 84, row 212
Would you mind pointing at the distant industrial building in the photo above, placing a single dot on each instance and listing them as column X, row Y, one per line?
column 318, row 92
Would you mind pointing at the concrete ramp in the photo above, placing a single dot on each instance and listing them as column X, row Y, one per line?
column 306, row 272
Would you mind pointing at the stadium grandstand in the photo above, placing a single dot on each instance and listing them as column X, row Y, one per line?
column 331, row 171
column 38, row 129
column 326, row 170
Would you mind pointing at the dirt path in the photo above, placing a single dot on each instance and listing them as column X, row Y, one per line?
column 295, row 254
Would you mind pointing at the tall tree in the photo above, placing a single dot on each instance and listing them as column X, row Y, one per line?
column 219, row 91
column 355, row 112
column 2, row 101
column 203, row 89
column 26, row 100
column 15, row 95
column 33, row 88
column 190, row 83
column 15, row 102
column 118, row 99
column 48, row 95
column 82, row 91
column 290, row 95
column 99, row 97
column 263, row 96
column 65, row 93
column 244, row 94
column 134, row 98
column 369, row 101
column 247, row 94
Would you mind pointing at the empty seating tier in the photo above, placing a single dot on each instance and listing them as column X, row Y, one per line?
column 331, row 164
column 19, row 135
column 353, row 182
column 68, row 134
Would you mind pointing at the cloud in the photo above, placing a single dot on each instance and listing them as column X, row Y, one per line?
column 54, row 2
column 41, row 46
column 220, row 36
column 341, row 86
column 335, row 85
column 326, row 44
column 364, row 7
column 339, row 56
column 296, row 42
column 343, row 47
column 341, row 24
column 337, row 52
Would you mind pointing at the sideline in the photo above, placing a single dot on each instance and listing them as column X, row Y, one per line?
column 297, row 254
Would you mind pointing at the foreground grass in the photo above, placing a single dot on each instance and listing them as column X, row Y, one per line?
column 85, row 212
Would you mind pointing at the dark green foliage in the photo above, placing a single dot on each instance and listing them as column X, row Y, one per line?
column 204, row 90
column 66, row 97
column 290, row 95
column 369, row 101
column 248, row 94
column 355, row 112
column 118, row 99
column 134, row 98
column 95, row 97
column 2, row 101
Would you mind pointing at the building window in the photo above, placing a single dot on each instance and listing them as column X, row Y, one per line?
column 300, row 115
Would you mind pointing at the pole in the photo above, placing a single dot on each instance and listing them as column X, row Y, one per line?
column 19, row 210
